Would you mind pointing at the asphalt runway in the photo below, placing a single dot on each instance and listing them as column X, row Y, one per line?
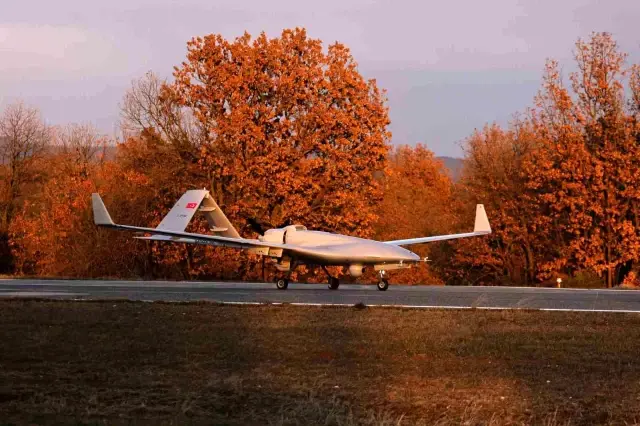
column 319, row 294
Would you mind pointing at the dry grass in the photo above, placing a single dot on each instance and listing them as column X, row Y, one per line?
column 155, row 363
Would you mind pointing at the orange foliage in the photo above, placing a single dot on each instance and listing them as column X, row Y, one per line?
column 586, row 171
column 493, row 176
column 294, row 135
column 54, row 235
column 417, row 202
column 563, row 185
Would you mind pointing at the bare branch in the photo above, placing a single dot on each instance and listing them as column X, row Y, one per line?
column 82, row 141
column 144, row 108
column 23, row 139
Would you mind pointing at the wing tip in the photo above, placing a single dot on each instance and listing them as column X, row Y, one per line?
column 481, row 225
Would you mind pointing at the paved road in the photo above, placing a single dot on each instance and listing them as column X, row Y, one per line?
column 421, row 296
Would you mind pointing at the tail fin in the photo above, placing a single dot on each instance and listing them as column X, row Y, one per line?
column 179, row 216
column 196, row 201
column 182, row 212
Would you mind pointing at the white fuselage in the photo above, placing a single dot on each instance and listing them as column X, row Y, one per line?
column 337, row 249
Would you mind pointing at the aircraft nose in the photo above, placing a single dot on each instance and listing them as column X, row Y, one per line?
column 413, row 256
column 409, row 255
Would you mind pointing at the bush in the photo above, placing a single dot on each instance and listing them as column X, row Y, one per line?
column 583, row 279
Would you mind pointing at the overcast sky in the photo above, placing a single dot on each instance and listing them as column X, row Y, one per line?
column 448, row 66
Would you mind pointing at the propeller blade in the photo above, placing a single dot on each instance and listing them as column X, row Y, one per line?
column 256, row 225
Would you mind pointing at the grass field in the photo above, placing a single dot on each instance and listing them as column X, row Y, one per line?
column 155, row 363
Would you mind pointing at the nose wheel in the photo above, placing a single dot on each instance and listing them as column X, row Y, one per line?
column 383, row 283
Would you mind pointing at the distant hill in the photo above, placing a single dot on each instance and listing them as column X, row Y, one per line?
column 453, row 165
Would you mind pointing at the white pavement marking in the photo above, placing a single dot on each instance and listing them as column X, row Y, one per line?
column 38, row 294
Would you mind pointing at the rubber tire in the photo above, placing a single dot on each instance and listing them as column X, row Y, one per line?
column 334, row 283
column 282, row 284
column 383, row 284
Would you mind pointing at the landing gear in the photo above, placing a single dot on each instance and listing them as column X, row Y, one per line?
column 383, row 283
column 282, row 283
column 334, row 283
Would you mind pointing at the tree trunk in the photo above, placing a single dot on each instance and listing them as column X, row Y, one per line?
column 607, row 236
column 530, row 268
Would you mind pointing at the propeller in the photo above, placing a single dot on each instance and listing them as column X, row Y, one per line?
column 256, row 225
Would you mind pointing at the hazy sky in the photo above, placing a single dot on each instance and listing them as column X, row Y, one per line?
column 448, row 66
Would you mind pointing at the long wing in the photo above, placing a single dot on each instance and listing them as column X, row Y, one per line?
column 101, row 217
column 481, row 227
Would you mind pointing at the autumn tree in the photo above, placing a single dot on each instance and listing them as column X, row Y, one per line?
column 55, row 234
column 144, row 110
column 80, row 143
column 417, row 202
column 493, row 175
column 293, row 134
column 587, row 170
column 278, row 130
column 163, row 142
column 23, row 140
column 634, row 102
column 52, row 231
column 168, row 175
column 561, row 184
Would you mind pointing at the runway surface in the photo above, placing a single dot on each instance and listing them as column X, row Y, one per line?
column 312, row 294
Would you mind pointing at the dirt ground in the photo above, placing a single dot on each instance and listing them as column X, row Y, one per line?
column 158, row 363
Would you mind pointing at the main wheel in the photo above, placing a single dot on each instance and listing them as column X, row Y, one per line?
column 383, row 284
column 334, row 283
column 282, row 283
